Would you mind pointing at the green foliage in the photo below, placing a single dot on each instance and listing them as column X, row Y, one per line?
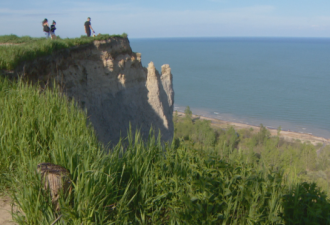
column 198, row 131
column 124, row 35
column 188, row 113
column 203, row 133
column 301, row 203
column 306, row 204
column 228, row 140
column 140, row 182
column 263, row 135
column 14, row 39
column 295, row 158
column 35, row 123
column 27, row 48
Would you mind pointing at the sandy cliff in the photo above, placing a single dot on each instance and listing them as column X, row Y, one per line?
column 108, row 79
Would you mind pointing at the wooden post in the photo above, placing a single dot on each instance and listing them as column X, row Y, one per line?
column 54, row 178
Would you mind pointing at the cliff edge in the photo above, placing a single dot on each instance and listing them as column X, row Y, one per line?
column 108, row 79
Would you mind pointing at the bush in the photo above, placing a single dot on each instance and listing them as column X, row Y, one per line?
column 306, row 204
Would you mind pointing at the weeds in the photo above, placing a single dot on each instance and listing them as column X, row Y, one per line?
column 140, row 182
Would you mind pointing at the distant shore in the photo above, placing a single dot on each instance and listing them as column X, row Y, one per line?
column 286, row 135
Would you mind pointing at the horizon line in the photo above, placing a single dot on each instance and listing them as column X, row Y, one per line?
column 228, row 37
column 301, row 37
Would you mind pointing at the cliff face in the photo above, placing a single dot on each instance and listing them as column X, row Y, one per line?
column 108, row 79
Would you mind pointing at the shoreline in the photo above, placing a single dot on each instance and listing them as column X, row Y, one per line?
column 286, row 135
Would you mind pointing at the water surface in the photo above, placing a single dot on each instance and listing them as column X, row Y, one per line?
column 275, row 81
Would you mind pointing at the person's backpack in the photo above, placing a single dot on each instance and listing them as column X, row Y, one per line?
column 46, row 28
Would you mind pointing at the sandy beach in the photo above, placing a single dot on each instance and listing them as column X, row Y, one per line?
column 287, row 135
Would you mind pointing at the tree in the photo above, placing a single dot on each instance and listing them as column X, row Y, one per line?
column 263, row 135
column 188, row 113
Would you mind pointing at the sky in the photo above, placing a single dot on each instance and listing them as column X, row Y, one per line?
column 170, row 18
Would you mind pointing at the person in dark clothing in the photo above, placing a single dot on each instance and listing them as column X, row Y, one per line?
column 88, row 27
column 46, row 28
column 52, row 30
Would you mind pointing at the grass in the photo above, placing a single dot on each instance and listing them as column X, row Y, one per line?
column 27, row 48
column 14, row 39
column 141, row 182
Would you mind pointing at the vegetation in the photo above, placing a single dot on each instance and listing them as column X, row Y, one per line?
column 296, row 159
column 14, row 39
column 193, row 181
column 26, row 48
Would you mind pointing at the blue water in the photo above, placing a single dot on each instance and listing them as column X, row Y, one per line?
column 275, row 81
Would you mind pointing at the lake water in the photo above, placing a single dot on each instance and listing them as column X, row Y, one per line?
column 274, row 81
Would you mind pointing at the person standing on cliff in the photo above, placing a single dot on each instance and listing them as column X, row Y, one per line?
column 52, row 30
column 88, row 27
column 46, row 28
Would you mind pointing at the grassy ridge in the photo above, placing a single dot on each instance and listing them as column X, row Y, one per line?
column 139, row 183
column 14, row 39
column 27, row 48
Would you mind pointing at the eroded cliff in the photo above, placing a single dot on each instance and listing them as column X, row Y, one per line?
column 108, row 80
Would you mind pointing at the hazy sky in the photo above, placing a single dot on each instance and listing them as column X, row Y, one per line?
column 170, row 18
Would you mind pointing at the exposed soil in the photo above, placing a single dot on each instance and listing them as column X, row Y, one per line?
column 5, row 211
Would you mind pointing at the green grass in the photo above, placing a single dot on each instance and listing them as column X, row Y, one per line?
column 139, row 182
column 14, row 39
column 26, row 48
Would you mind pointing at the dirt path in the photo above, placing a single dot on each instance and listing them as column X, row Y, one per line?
column 5, row 211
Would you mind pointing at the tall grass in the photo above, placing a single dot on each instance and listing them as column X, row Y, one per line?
column 28, row 48
column 140, row 182
column 35, row 123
